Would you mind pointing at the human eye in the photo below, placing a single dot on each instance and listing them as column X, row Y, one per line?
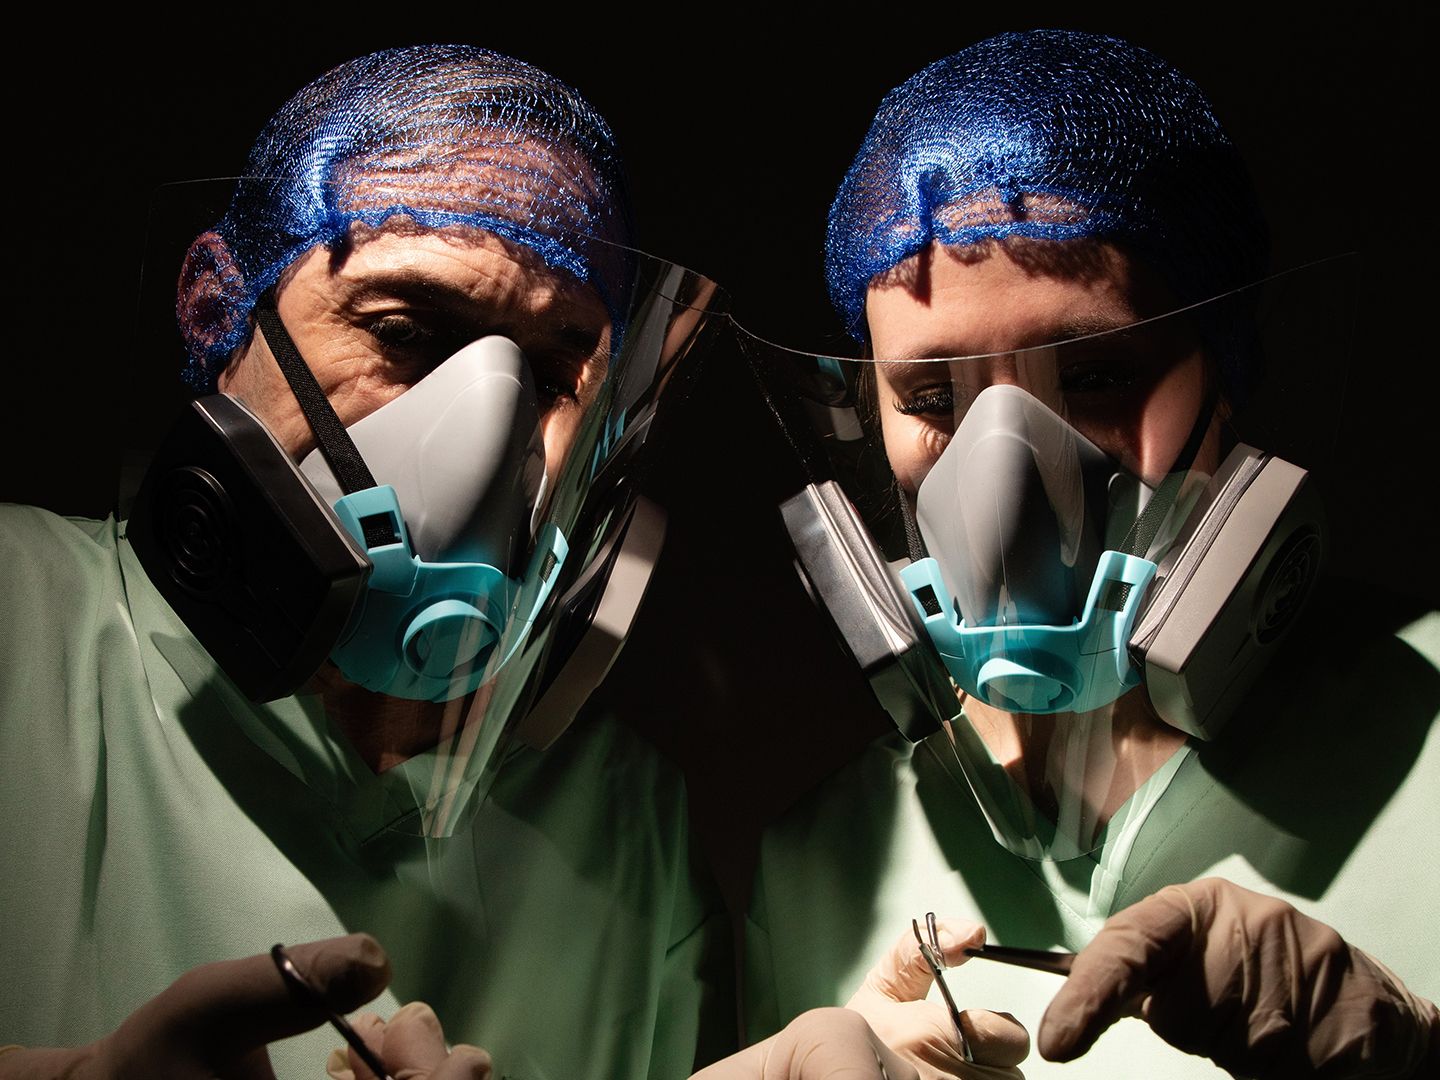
column 566, row 359
column 415, row 340
column 1098, row 376
column 931, row 401
column 559, row 376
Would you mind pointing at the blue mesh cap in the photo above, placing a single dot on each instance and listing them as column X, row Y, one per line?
column 446, row 135
column 1050, row 134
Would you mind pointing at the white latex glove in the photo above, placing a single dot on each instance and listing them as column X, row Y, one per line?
column 1247, row 981
column 412, row 1046
column 888, row 1031
column 822, row 1044
column 892, row 1000
column 216, row 1020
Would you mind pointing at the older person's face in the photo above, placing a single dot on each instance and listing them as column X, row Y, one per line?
column 1136, row 395
column 375, row 317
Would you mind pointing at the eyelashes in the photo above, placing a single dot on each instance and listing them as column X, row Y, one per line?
column 1098, row 378
column 928, row 401
column 419, row 345
column 1093, row 382
column 416, row 342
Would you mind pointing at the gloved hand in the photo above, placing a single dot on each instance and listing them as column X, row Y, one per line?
column 218, row 1018
column 1247, row 981
column 888, row 1029
column 892, row 1000
column 412, row 1046
column 822, row 1044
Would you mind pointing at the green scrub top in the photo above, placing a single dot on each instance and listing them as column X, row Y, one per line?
column 156, row 820
column 1324, row 790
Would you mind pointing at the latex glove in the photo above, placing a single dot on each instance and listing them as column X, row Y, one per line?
column 217, row 1019
column 892, row 1000
column 412, row 1046
column 822, row 1044
column 888, row 1029
column 1247, row 981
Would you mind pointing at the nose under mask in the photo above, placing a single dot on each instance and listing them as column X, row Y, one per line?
column 1029, row 610
column 459, row 465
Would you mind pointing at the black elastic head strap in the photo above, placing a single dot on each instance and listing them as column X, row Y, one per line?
column 914, row 544
column 338, row 449
column 335, row 443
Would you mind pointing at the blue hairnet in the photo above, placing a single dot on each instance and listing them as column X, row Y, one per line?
column 444, row 134
column 1054, row 135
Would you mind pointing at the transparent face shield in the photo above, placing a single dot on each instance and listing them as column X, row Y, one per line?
column 1035, row 505
column 385, row 603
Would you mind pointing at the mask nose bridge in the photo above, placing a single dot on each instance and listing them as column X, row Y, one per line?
column 1031, row 370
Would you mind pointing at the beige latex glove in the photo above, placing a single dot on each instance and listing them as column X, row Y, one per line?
column 892, row 999
column 1247, row 981
column 217, row 1019
column 412, row 1046
column 888, row 1029
column 822, row 1044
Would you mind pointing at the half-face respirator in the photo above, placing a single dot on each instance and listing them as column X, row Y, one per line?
column 1048, row 576
column 400, row 549
column 1041, row 565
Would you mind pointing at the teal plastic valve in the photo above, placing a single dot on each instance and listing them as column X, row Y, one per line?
column 434, row 631
column 1041, row 669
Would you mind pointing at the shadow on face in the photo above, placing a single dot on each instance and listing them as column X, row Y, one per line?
column 375, row 315
column 1134, row 391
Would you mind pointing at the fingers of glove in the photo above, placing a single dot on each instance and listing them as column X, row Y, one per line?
column 253, row 1064
column 464, row 1063
column 1375, row 1020
column 922, row 1033
column 902, row 973
column 337, row 1065
column 371, row 1029
column 748, row 1064
column 891, row 1067
column 822, row 1044
column 1258, row 977
column 42, row 1063
column 1284, row 994
column 832, row 1044
column 996, row 1039
column 411, row 1043
column 1131, row 952
column 412, row 1046
column 216, row 1014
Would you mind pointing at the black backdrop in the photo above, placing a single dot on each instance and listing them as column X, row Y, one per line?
column 736, row 129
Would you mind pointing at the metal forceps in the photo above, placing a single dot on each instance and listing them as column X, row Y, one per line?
column 301, row 988
column 934, row 958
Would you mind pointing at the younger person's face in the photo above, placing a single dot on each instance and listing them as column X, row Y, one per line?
column 1135, row 394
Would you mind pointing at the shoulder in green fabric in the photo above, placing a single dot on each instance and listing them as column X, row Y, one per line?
column 1324, row 792
column 171, row 837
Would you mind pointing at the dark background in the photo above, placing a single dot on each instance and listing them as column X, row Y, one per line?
column 736, row 132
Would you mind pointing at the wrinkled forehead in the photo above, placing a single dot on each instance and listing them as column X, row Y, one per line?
column 444, row 137
column 452, row 266
column 496, row 176
column 538, row 191
column 448, row 129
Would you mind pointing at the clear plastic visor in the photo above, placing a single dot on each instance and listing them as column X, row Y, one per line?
column 1032, row 499
column 541, row 469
